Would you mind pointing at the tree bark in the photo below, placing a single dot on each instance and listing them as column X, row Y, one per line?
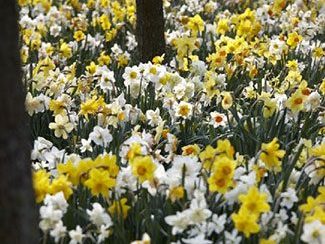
column 18, row 223
column 150, row 29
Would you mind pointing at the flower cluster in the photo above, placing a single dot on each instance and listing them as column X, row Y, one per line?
column 219, row 140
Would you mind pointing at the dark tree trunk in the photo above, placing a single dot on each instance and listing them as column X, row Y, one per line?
column 150, row 29
column 18, row 222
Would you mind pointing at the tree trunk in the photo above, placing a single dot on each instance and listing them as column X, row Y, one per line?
column 150, row 29
column 18, row 222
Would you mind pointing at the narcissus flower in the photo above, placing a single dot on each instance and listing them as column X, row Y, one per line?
column 62, row 126
column 223, row 26
column 185, row 46
column 218, row 119
column 91, row 106
column 176, row 193
column 296, row 102
column 207, row 157
column 79, row 36
column 184, row 110
column 104, row 59
column 135, row 150
column 158, row 59
column 65, row 50
column 294, row 39
column 57, row 106
column 226, row 101
column 271, row 155
column 245, row 222
column 143, row 168
column 119, row 207
column 108, row 163
column 145, row 240
column 41, row 184
column 99, row 182
column 220, row 182
column 318, row 166
column 191, row 150
column 196, row 24
column 317, row 215
column 254, row 201
column 70, row 171
column 269, row 108
column 314, row 232
column 224, row 148
column 225, row 166
column 61, row 184
column 318, row 52
column 91, row 68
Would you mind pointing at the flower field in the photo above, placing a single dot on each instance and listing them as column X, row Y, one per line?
column 219, row 140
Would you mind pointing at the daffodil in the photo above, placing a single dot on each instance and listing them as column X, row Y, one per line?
column 271, row 155
column 61, row 183
column 196, row 24
column 219, row 182
column 224, row 148
column 218, row 119
column 104, row 59
column 192, row 150
column 79, row 36
column 143, row 168
column 184, row 110
column 135, row 150
column 185, row 46
column 119, row 207
column 207, row 157
column 91, row 68
column 294, row 39
column 58, row 107
column 223, row 26
column 65, row 50
column 245, row 222
column 70, row 170
column 62, row 126
column 227, row 100
column 269, row 108
column 254, row 201
column 108, row 163
column 99, row 182
column 91, row 106
column 225, row 166
column 41, row 184
column 296, row 102
column 176, row 193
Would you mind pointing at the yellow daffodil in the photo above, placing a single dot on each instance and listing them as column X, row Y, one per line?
column 99, row 182
column 271, row 155
column 254, row 201
column 176, row 193
column 196, row 24
column 227, row 101
column 294, row 39
column 41, row 184
column 79, row 36
column 223, row 26
column 245, row 222
column 70, row 170
column 61, row 183
column 296, row 101
column 119, row 207
column 108, row 163
column 143, row 168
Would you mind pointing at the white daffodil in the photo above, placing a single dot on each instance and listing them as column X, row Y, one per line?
column 62, row 126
